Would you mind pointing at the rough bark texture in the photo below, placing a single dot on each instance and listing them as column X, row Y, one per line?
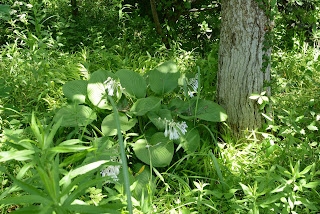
column 240, row 63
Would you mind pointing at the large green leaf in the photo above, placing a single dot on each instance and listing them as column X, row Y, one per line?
column 75, row 115
column 76, row 90
column 144, row 105
column 158, row 118
column 16, row 155
column 143, row 179
column 158, row 152
column 96, row 88
column 164, row 78
column 208, row 111
column 190, row 141
column 133, row 83
column 109, row 127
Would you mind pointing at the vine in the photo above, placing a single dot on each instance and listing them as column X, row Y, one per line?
column 270, row 9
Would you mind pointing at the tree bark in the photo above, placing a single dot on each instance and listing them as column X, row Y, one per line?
column 157, row 23
column 240, row 63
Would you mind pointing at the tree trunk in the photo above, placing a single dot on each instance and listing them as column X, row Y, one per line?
column 74, row 7
column 157, row 23
column 240, row 63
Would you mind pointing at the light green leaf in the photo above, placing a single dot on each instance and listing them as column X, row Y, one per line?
column 312, row 127
column 254, row 96
column 82, row 170
column 164, row 78
column 109, row 127
column 75, row 115
column 307, row 169
column 76, row 90
column 67, row 149
column 245, row 189
column 133, row 83
column 16, row 155
column 96, row 88
column 312, row 185
column 159, row 151
column 144, row 105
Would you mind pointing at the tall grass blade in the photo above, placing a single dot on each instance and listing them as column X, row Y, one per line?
column 215, row 162
column 123, row 157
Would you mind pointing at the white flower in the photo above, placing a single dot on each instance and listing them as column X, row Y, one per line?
column 193, row 85
column 175, row 129
column 112, row 86
column 112, row 171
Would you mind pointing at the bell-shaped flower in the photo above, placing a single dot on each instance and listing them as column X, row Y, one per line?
column 175, row 129
column 113, row 87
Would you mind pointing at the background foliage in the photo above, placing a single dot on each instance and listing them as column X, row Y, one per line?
column 56, row 141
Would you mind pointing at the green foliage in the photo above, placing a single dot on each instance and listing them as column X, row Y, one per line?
column 48, row 188
column 178, row 160
column 157, row 152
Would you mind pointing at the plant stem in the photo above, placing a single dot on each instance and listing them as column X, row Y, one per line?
column 123, row 156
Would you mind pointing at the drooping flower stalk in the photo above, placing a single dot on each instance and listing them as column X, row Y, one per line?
column 174, row 129
column 113, row 87
column 193, row 85
column 112, row 171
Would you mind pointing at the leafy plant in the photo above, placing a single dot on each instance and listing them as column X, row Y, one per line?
column 51, row 188
column 163, row 114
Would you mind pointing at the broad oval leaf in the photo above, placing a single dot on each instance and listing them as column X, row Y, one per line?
column 158, row 118
column 159, row 151
column 75, row 115
column 144, row 105
column 164, row 78
column 76, row 90
column 96, row 88
column 109, row 127
column 133, row 83
column 142, row 180
column 208, row 111
column 190, row 142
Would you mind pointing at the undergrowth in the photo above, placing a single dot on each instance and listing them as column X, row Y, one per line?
column 274, row 170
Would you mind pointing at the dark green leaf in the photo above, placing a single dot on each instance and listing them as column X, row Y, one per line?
column 164, row 78
column 133, row 83
column 144, row 105
column 75, row 115
column 158, row 152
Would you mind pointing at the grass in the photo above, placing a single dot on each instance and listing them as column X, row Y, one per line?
column 274, row 170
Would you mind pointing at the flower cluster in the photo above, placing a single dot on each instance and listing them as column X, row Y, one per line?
column 193, row 85
column 112, row 171
column 113, row 87
column 174, row 129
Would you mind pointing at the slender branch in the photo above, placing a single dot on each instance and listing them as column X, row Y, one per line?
column 157, row 23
